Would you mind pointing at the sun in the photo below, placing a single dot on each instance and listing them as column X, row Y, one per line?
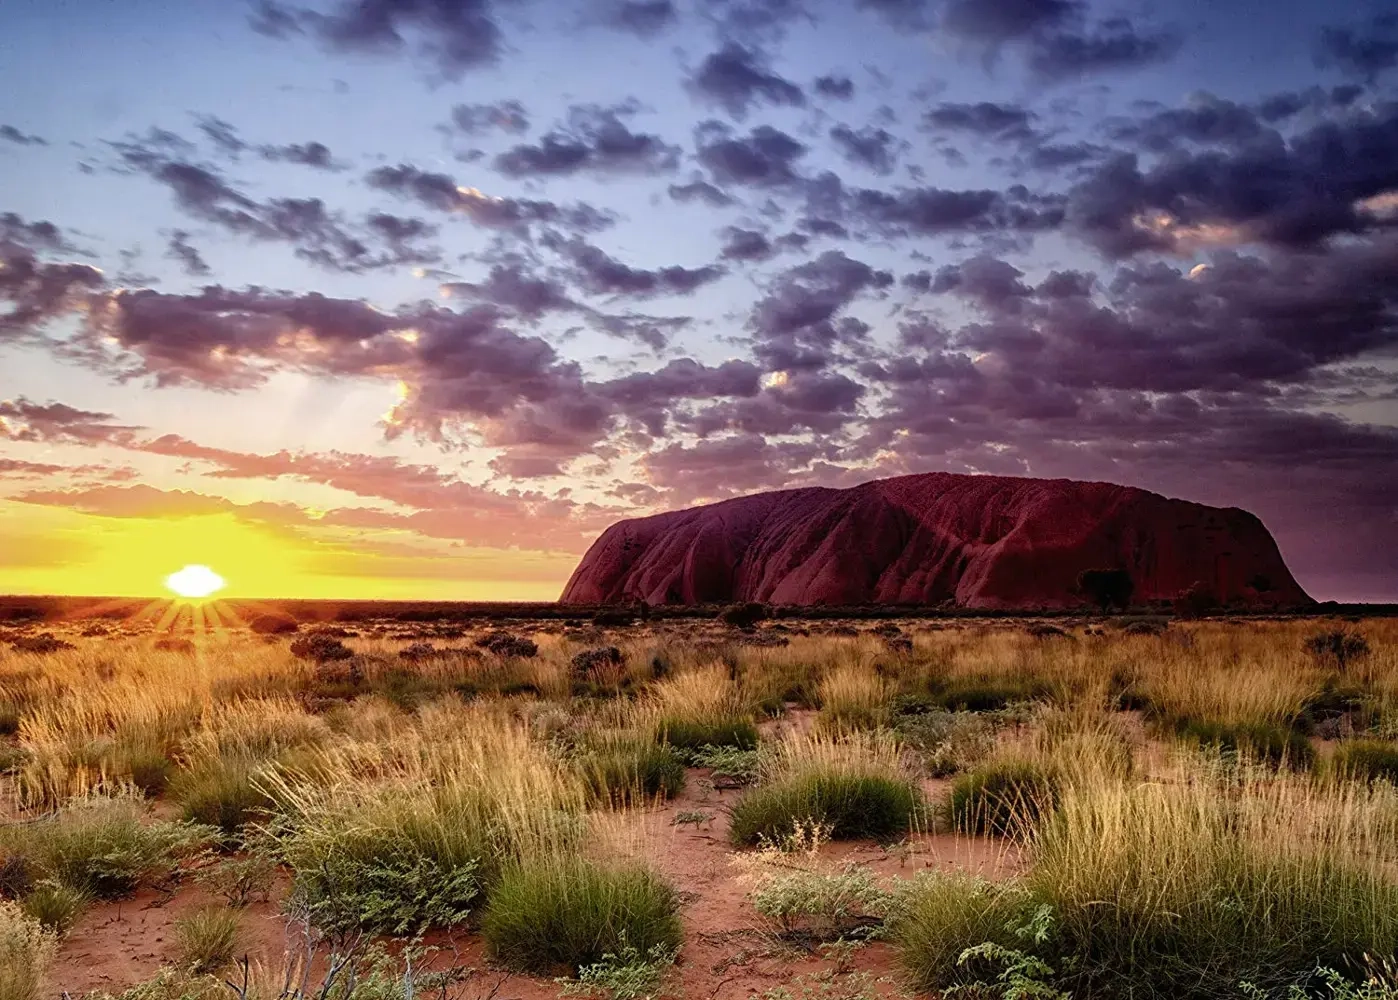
column 195, row 581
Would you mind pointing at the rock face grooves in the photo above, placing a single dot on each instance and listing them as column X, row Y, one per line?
column 981, row 541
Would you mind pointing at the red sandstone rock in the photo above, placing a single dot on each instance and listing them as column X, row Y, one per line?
column 982, row 541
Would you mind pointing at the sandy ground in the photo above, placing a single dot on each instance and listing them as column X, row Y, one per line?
column 729, row 952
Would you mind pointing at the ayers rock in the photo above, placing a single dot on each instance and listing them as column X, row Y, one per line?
column 980, row 541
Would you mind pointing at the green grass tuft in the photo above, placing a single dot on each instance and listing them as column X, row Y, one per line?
column 552, row 914
column 847, row 805
column 1005, row 797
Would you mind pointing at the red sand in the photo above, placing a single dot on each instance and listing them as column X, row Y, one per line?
column 980, row 541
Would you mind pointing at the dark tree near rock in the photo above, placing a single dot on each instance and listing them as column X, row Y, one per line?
column 1107, row 588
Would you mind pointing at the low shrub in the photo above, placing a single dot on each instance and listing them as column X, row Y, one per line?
column 744, row 615
column 505, row 644
column 57, row 907
column 26, row 952
column 1338, row 648
column 1366, row 760
column 102, row 847
column 1006, row 797
column 397, row 872
column 823, row 905
column 628, row 975
column 1268, row 742
column 208, row 938
column 694, row 734
column 948, row 742
column 557, row 913
column 273, row 624
column 731, row 766
column 630, row 771
column 320, row 648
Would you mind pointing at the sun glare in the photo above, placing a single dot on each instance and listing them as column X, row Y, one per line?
column 195, row 581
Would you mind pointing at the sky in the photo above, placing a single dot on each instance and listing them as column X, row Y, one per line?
column 410, row 299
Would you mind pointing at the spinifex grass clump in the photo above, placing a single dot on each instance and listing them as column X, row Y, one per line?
column 1172, row 889
column 625, row 769
column 102, row 848
column 1269, row 742
column 853, row 787
column 1366, row 760
column 560, row 912
column 854, row 697
column 1005, row 796
column 26, row 952
column 699, row 708
column 417, row 841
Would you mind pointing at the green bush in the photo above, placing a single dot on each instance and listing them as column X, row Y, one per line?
column 57, row 907
column 625, row 772
column 102, row 848
column 381, row 879
column 1367, row 760
column 208, row 938
column 730, row 765
column 847, row 805
column 694, row 734
column 565, row 913
column 1268, row 742
column 221, row 793
column 1006, row 797
column 823, row 905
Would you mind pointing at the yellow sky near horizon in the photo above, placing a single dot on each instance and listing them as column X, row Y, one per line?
column 59, row 551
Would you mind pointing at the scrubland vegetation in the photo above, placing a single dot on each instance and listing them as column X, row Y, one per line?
column 1192, row 809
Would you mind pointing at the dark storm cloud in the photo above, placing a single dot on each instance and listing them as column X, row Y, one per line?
column 11, row 134
column 478, row 119
column 454, row 35
column 736, row 78
column 874, row 148
column 766, row 157
column 594, row 140
column 1364, row 50
column 1280, row 107
column 598, row 273
column 512, row 286
column 179, row 248
column 643, row 18
column 999, row 21
column 441, row 192
column 836, row 87
column 930, row 211
column 1295, row 191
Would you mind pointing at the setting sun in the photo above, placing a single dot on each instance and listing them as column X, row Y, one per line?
column 195, row 581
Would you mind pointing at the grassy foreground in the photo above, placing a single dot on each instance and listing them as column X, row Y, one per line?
column 1198, row 809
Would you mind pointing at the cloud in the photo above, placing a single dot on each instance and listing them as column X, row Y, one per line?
column 600, row 274
column 438, row 191
column 873, row 148
column 766, row 157
column 315, row 233
column 835, row 86
column 507, row 116
column 455, row 37
column 736, row 78
column 11, row 134
column 1056, row 38
column 595, row 140
column 1288, row 192
column 41, row 236
column 796, row 325
column 746, row 244
column 34, row 291
column 57, row 423
column 983, row 118
column 179, row 248
column 1365, row 50
column 643, row 18
column 700, row 191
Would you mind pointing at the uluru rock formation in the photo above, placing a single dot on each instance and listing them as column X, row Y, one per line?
column 980, row 541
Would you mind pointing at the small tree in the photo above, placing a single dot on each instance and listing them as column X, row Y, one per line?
column 1196, row 602
column 1107, row 588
